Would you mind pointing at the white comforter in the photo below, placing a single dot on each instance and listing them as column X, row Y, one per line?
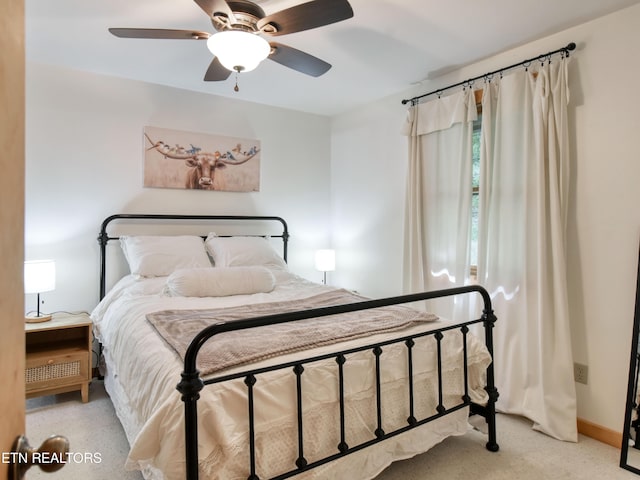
column 142, row 373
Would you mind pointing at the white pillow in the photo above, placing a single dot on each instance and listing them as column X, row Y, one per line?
column 159, row 256
column 219, row 282
column 242, row 251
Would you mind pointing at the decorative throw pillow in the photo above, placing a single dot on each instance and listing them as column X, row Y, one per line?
column 219, row 281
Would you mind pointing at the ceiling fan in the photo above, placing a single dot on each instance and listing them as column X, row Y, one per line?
column 238, row 45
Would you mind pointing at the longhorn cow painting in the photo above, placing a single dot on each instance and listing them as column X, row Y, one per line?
column 177, row 159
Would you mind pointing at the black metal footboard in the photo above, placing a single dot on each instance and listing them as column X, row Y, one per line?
column 191, row 383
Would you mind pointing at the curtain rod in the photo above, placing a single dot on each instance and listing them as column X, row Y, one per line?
column 565, row 50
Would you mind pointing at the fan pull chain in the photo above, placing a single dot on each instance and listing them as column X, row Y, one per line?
column 236, row 89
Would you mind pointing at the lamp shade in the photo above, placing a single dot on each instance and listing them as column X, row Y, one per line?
column 326, row 260
column 238, row 51
column 39, row 276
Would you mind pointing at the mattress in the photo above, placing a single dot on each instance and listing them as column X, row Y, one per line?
column 142, row 372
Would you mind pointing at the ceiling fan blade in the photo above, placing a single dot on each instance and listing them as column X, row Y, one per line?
column 159, row 33
column 298, row 60
column 212, row 6
column 307, row 16
column 216, row 72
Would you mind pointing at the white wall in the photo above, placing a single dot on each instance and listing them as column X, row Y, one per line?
column 368, row 158
column 368, row 165
column 84, row 162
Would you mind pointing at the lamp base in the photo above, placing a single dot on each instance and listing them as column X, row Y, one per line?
column 37, row 319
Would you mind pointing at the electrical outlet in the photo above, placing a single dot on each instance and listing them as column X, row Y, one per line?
column 580, row 373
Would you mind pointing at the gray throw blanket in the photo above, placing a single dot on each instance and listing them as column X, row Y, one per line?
column 228, row 349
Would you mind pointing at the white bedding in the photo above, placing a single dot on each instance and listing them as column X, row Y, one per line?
column 142, row 373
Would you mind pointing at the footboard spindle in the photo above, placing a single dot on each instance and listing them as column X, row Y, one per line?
column 465, row 366
column 440, row 408
column 340, row 360
column 377, row 351
column 411, row 420
column 301, row 462
column 250, row 381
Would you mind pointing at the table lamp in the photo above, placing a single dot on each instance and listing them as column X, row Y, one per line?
column 325, row 262
column 39, row 277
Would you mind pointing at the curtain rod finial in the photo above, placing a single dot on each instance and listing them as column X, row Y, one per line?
column 571, row 46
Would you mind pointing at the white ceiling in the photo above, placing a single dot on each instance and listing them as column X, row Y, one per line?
column 385, row 48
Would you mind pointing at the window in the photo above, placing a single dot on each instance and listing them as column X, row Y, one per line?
column 475, row 192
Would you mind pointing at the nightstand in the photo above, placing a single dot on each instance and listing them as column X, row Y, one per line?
column 58, row 356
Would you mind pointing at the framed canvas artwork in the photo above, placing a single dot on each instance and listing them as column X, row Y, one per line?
column 200, row 161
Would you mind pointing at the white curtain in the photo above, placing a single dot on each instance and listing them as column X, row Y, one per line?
column 437, row 217
column 521, row 246
column 521, row 258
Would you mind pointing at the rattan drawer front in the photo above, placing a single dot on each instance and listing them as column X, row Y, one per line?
column 46, row 372
column 53, row 371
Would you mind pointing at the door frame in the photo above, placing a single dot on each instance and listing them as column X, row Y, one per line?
column 12, row 187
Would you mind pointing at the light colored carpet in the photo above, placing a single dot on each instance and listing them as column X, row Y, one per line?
column 524, row 454
column 92, row 428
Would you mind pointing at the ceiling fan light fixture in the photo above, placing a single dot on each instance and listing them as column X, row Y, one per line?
column 238, row 51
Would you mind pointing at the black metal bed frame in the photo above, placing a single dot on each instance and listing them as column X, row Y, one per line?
column 191, row 383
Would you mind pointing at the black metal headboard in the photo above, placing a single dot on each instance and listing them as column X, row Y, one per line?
column 104, row 237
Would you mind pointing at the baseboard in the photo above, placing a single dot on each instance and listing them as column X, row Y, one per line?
column 602, row 434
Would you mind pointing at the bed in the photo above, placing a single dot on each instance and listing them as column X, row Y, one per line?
column 229, row 366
